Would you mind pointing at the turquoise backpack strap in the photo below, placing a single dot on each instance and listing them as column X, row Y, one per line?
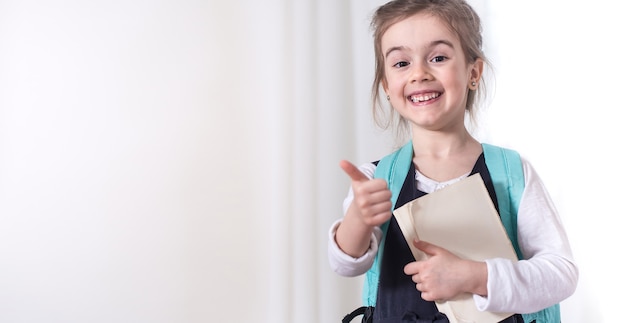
column 393, row 168
column 507, row 175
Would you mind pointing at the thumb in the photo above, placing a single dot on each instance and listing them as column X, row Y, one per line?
column 352, row 171
column 427, row 248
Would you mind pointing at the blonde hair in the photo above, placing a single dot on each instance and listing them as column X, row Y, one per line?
column 462, row 20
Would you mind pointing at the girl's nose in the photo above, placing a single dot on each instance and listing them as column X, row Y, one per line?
column 420, row 73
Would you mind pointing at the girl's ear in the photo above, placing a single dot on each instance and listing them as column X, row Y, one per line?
column 476, row 72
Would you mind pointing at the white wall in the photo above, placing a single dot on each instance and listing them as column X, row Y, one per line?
column 128, row 176
column 134, row 136
column 556, row 95
column 560, row 78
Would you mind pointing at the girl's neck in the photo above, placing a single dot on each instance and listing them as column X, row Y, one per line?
column 437, row 144
column 444, row 156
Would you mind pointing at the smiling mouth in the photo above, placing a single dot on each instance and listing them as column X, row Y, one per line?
column 424, row 97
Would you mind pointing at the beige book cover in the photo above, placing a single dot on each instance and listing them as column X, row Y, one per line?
column 462, row 219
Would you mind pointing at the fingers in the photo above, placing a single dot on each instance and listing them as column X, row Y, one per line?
column 414, row 268
column 421, row 281
column 375, row 189
column 372, row 198
column 373, row 207
column 377, row 219
column 435, row 276
column 427, row 248
column 352, row 171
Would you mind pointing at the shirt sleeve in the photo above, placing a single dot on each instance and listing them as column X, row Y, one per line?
column 548, row 273
column 342, row 263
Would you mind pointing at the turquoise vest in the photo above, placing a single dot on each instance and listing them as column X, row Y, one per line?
column 507, row 175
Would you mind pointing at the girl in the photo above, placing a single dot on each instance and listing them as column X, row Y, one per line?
column 429, row 63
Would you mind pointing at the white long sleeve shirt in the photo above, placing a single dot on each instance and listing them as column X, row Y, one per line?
column 547, row 276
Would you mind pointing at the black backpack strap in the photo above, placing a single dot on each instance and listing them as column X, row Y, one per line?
column 366, row 311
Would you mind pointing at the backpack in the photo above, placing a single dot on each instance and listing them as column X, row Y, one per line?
column 507, row 174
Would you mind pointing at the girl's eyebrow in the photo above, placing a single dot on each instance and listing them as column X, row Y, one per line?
column 395, row 48
column 432, row 44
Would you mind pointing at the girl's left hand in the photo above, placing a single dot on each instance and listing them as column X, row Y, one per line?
column 443, row 275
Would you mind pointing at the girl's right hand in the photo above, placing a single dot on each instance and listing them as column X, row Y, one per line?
column 372, row 197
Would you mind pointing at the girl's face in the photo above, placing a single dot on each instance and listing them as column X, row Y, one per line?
column 427, row 77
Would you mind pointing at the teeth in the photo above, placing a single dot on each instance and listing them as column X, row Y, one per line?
column 424, row 97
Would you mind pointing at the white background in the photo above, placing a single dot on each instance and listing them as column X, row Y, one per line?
column 176, row 161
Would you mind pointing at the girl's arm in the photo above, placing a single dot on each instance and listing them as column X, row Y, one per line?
column 548, row 275
column 353, row 241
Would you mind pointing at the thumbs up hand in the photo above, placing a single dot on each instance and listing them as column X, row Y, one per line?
column 370, row 207
column 372, row 197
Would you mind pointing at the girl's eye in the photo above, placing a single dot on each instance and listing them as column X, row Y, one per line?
column 438, row 59
column 401, row 64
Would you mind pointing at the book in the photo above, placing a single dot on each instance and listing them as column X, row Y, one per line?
column 461, row 218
